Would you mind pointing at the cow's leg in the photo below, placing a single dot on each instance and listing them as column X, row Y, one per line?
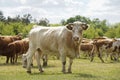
column 106, row 55
column 45, row 59
column 30, row 53
column 31, row 63
column 111, row 56
column 11, row 59
column 63, row 67
column 16, row 57
column 38, row 60
column 7, row 59
column 118, row 53
column 100, row 56
column 116, row 57
column 92, row 57
column 70, row 65
column 92, row 53
column 63, row 58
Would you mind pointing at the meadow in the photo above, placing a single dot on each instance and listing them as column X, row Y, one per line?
column 82, row 69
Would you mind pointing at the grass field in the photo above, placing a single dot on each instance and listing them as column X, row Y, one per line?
column 82, row 69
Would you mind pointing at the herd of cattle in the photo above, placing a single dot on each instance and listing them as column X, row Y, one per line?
column 12, row 47
column 63, row 42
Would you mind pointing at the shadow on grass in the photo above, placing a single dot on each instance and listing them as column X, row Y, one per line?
column 49, row 66
column 44, row 73
column 9, row 64
column 106, row 62
column 77, row 75
column 85, row 75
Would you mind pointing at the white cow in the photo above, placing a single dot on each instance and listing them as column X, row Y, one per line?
column 63, row 41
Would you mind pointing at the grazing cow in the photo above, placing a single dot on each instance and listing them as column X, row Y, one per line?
column 4, row 49
column 64, row 41
column 19, row 47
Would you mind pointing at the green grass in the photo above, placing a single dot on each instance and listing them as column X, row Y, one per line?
column 82, row 69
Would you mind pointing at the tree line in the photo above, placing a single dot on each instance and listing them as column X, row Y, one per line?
column 23, row 24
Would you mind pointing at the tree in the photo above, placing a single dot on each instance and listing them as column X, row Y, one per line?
column 43, row 22
column 113, row 31
column 78, row 18
column 70, row 20
column 15, row 19
column 63, row 22
column 27, row 18
column 2, row 18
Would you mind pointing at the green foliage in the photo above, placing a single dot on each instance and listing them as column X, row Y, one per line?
column 18, row 24
column 43, row 22
column 14, row 28
column 26, row 19
column 63, row 22
column 2, row 18
column 77, row 18
column 113, row 31
column 55, row 25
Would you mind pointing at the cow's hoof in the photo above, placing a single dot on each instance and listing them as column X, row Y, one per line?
column 29, row 72
column 44, row 64
column 69, row 72
column 103, row 62
column 31, row 65
column 24, row 66
column 41, row 71
column 64, row 72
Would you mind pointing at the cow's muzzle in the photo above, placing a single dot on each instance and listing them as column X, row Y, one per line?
column 76, row 38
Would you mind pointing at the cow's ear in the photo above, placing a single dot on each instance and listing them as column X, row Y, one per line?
column 69, row 26
column 85, row 26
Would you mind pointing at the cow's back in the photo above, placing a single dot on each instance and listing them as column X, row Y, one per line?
column 47, row 38
column 52, row 39
column 4, row 41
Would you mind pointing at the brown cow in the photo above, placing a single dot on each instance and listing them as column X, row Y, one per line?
column 86, row 46
column 99, row 44
column 19, row 47
column 4, row 49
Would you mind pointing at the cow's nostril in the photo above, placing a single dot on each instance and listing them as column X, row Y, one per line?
column 76, row 38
